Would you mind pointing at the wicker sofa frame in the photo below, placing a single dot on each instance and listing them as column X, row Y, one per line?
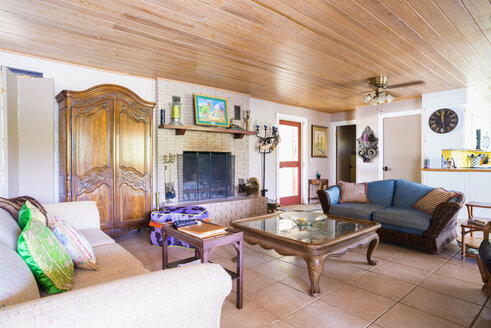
column 440, row 233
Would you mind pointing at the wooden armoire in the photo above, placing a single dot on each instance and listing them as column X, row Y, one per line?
column 106, row 154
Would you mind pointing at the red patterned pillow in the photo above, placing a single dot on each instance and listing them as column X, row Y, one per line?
column 352, row 192
column 429, row 202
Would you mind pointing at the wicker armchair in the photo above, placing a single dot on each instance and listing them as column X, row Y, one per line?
column 440, row 233
column 484, row 258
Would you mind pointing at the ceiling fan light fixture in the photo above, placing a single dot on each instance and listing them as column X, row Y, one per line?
column 390, row 98
column 366, row 99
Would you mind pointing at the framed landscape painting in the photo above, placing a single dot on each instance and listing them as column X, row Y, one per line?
column 319, row 141
column 210, row 110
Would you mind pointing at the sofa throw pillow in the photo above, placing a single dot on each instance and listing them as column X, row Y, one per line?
column 47, row 258
column 429, row 202
column 76, row 244
column 27, row 212
column 352, row 192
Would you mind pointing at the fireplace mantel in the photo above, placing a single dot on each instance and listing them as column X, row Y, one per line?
column 181, row 130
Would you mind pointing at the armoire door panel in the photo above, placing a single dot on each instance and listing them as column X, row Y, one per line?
column 132, row 204
column 92, row 137
column 103, row 196
column 132, row 143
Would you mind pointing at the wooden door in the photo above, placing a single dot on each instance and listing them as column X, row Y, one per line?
column 92, row 149
column 290, row 164
column 345, row 149
column 133, row 169
column 402, row 148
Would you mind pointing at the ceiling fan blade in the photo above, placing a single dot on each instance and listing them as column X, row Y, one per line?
column 407, row 84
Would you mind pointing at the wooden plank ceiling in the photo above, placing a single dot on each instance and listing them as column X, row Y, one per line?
column 312, row 53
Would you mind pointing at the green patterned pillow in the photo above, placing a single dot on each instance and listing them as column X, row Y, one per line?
column 48, row 260
column 29, row 211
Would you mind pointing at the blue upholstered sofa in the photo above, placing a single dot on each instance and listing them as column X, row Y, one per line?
column 391, row 204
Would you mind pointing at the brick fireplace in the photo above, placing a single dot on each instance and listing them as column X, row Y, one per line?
column 224, row 210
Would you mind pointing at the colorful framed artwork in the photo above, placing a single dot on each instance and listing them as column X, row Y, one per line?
column 319, row 141
column 211, row 110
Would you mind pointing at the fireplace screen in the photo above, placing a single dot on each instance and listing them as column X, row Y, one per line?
column 205, row 175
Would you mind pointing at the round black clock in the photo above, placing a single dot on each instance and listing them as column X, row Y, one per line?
column 443, row 120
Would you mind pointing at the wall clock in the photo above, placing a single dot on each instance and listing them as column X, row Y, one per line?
column 443, row 120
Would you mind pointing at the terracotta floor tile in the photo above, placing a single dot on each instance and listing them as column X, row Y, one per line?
column 356, row 259
column 462, row 289
column 253, row 258
column 402, row 272
column 403, row 316
column 320, row 314
column 443, row 306
column 281, row 324
column 259, row 249
column 359, row 302
column 420, row 260
column 462, row 272
column 295, row 260
column 277, row 269
column 452, row 249
column 383, row 285
column 226, row 251
column 254, row 281
column 484, row 319
column 279, row 299
column 384, row 250
column 341, row 271
column 301, row 282
column 250, row 316
column 226, row 263
column 181, row 252
column 468, row 261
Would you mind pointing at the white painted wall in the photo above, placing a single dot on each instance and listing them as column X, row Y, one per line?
column 72, row 77
column 434, row 142
column 266, row 112
column 369, row 116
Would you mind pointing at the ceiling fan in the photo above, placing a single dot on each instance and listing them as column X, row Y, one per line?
column 379, row 84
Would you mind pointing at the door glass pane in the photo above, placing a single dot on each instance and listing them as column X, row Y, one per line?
column 288, row 146
column 288, row 182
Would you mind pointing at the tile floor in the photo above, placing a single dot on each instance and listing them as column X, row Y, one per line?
column 407, row 288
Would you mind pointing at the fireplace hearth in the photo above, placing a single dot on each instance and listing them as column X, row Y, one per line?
column 205, row 175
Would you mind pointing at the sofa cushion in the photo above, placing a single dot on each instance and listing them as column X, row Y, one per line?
column 48, row 260
column 18, row 283
column 113, row 261
column 333, row 193
column 434, row 198
column 353, row 192
column 355, row 210
column 407, row 193
column 96, row 237
column 30, row 212
column 381, row 192
column 9, row 230
column 403, row 217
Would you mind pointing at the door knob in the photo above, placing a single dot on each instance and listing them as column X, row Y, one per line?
column 385, row 168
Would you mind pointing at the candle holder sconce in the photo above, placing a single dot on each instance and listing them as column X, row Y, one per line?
column 175, row 107
column 367, row 145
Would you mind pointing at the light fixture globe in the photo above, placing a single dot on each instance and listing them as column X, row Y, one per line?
column 390, row 98
column 366, row 99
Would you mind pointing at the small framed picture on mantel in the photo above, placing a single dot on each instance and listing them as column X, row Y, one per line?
column 211, row 110
column 319, row 141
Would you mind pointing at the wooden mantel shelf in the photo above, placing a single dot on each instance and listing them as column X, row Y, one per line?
column 181, row 130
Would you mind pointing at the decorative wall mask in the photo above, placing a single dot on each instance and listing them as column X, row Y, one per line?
column 367, row 145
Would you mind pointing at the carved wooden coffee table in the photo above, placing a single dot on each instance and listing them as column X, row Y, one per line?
column 314, row 240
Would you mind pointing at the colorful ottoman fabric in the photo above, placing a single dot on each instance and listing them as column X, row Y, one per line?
column 172, row 214
column 27, row 212
column 435, row 197
column 352, row 192
column 76, row 244
column 47, row 258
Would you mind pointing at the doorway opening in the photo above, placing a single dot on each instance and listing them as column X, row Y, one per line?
column 346, row 153
column 289, row 152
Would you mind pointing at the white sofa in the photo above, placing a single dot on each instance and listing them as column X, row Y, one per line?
column 122, row 293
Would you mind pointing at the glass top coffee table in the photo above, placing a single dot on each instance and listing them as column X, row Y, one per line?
column 313, row 236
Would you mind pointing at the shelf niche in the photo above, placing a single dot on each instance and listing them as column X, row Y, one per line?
column 181, row 130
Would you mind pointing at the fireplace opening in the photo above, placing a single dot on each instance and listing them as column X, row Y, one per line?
column 205, row 175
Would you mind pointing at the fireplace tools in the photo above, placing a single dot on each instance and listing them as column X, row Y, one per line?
column 169, row 165
column 266, row 146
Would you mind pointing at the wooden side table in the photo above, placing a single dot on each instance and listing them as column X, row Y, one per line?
column 321, row 183
column 469, row 227
column 203, row 250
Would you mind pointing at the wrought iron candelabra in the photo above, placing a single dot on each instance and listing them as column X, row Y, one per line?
column 267, row 145
column 169, row 162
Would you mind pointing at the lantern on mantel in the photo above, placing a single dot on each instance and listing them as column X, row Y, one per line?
column 175, row 107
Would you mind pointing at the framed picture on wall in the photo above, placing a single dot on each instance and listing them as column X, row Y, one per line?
column 319, row 141
column 210, row 110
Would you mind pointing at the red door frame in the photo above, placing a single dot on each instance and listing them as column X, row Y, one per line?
column 290, row 200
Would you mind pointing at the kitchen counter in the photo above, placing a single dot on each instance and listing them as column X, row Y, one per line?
column 462, row 169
